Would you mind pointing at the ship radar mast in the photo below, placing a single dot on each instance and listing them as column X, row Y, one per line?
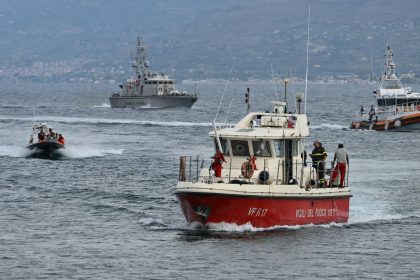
column 389, row 64
column 389, row 79
column 140, row 64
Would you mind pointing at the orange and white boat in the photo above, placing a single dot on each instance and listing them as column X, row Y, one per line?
column 402, row 118
column 398, row 107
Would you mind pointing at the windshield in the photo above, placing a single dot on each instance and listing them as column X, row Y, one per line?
column 225, row 146
column 240, row 148
column 261, row 148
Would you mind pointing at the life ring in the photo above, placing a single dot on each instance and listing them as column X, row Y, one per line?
column 247, row 170
column 418, row 107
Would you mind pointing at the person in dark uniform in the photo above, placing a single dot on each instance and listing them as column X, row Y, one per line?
column 319, row 155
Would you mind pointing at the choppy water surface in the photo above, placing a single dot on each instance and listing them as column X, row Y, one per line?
column 107, row 210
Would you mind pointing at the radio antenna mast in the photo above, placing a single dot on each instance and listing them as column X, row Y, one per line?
column 307, row 57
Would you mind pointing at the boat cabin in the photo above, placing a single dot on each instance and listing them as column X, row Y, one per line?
column 153, row 84
column 273, row 139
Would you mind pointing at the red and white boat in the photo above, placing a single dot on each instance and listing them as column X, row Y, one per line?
column 280, row 189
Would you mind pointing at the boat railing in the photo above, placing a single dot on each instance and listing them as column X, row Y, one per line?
column 189, row 168
column 302, row 173
column 408, row 107
column 383, row 111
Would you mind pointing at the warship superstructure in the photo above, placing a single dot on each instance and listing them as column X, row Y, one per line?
column 149, row 89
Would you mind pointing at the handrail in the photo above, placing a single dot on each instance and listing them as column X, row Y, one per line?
column 280, row 176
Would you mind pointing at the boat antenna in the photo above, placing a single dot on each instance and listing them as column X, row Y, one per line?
column 372, row 79
column 224, row 91
column 307, row 57
column 227, row 114
column 285, row 81
column 292, row 82
column 247, row 101
column 274, row 82
column 216, row 135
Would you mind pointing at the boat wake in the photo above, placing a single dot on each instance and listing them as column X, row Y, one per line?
column 76, row 120
column 329, row 126
column 104, row 105
column 13, row 151
column 89, row 152
column 151, row 223
column 378, row 218
column 69, row 152
column 354, row 220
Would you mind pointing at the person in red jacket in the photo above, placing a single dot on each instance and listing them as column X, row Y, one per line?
column 61, row 139
column 216, row 165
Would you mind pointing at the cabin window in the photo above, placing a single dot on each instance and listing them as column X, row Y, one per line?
column 279, row 148
column 240, row 148
column 225, row 146
column 261, row 148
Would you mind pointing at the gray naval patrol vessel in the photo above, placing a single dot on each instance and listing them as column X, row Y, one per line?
column 149, row 89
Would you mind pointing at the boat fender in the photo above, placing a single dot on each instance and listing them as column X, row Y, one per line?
column 247, row 170
column 418, row 107
column 386, row 124
column 263, row 176
column 293, row 181
column 397, row 123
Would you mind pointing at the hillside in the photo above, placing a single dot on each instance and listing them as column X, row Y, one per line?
column 91, row 40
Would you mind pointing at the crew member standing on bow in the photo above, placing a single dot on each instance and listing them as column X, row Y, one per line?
column 342, row 159
column 319, row 155
column 216, row 165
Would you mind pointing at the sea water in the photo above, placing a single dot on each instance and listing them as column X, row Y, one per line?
column 106, row 209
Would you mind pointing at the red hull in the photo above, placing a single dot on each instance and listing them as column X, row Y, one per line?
column 263, row 212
